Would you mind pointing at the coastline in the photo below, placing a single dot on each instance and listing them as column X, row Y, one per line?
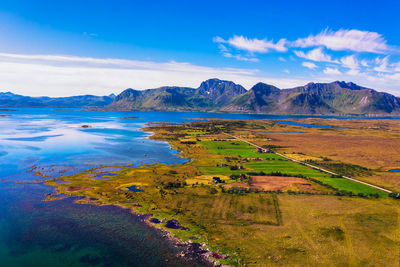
column 192, row 251
column 188, row 208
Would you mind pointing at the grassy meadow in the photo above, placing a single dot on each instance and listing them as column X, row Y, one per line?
column 302, row 221
column 356, row 188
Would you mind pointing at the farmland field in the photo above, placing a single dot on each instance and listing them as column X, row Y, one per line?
column 344, row 184
column 219, row 170
column 236, row 148
column 221, row 199
column 284, row 166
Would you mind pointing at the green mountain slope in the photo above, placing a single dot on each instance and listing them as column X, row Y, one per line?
column 336, row 98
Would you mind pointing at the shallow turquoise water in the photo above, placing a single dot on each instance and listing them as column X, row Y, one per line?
column 60, row 233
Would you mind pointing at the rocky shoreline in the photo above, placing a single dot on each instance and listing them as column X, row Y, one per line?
column 192, row 251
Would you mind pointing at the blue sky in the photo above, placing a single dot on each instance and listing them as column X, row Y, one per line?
column 73, row 47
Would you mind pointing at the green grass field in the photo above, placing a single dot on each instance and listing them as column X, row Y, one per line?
column 236, row 148
column 206, row 210
column 273, row 162
column 284, row 166
column 195, row 133
column 344, row 184
column 219, row 170
column 253, row 229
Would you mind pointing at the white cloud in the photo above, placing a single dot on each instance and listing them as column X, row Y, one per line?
column 353, row 72
column 383, row 82
column 55, row 75
column 222, row 48
column 354, row 40
column 309, row 65
column 332, row 71
column 253, row 45
column 382, row 64
column 286, row 71
column 394, row 77
column 282, row 59
column 350, row 62
column 218, row 39
column 364, row 63
column 240, row 58
column 316, row 54
column 397, row 66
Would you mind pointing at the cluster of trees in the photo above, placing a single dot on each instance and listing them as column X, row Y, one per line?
column 171, row 185
column 290, row 192
column 272, row 147
column 343, row 168
column 394, row 195
column 351, row 194
column 240, row 190
column 129, row 195
column 216, row 126
column 229, row 159
column 188, row 142
column 237, row 176
column 243, row 190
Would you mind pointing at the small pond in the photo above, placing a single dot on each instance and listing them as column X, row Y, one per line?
column 133, row 188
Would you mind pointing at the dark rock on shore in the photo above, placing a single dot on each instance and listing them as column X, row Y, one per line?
column 155, row 220
column 174, row 224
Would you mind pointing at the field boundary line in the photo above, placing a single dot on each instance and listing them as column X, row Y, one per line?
column 312, row 166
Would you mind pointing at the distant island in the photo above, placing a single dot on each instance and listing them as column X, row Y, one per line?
column 214, row 95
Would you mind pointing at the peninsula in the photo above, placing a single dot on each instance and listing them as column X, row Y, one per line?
column 246, row 205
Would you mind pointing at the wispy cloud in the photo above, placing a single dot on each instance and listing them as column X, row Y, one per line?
column 397, row 66
column 240, row 57
column 309, row 65
column 354, row 40
column 332, row 71
column 61, row 75
column 222, row 48
column 253, row 45
column 90, row 34
column 364, row 63
column 316, row 54
column 353, row 72
column 382, row 64
column 344, row 54
column 350, row 62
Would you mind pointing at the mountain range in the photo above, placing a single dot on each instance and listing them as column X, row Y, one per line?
column 335, row 98
column 10, row 100
column 339, row 98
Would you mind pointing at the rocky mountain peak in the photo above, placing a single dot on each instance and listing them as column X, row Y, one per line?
column 220, row 91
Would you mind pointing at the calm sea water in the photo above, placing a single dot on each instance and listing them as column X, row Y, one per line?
column 60, row 233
